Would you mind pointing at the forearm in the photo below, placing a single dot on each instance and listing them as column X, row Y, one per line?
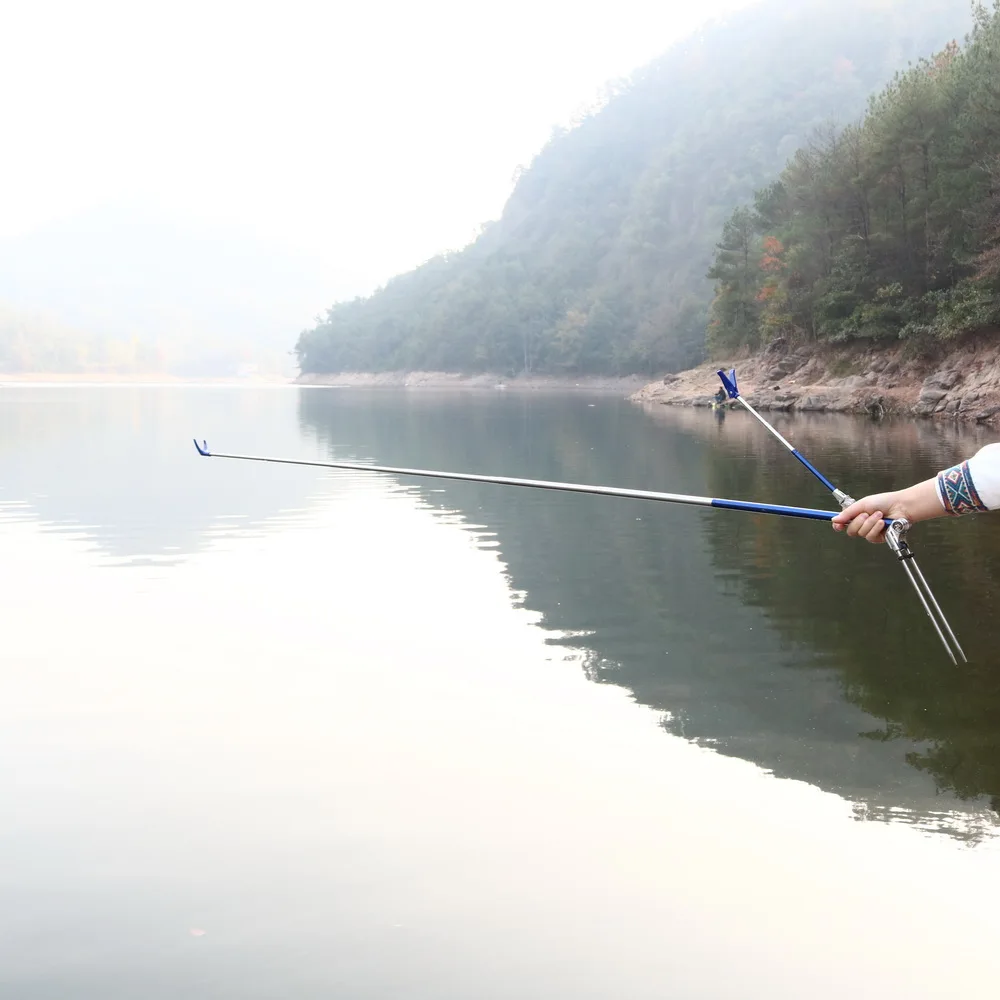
column 922, row 501
column 971, row 487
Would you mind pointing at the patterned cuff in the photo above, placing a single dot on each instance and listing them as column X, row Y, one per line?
column 958, row 492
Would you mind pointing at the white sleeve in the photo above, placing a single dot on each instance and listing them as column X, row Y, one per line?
column 984, row 467
column 973, row 486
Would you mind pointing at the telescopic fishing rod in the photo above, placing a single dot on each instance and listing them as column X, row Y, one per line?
column 539, row 484
column 895, row 531
column 895, row 528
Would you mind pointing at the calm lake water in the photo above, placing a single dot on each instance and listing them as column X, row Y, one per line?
column 281, row 732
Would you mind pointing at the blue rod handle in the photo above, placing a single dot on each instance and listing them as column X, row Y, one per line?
column 771, row 508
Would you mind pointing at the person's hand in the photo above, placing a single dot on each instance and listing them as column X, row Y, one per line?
column 865, row 518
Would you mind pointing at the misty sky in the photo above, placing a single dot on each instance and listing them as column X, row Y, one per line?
column 372, row 134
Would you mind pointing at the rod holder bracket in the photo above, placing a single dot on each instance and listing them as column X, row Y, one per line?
column 895, row 538
column 729, row 382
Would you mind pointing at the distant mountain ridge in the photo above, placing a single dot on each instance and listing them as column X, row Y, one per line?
column 598, row 262
column 119, row 289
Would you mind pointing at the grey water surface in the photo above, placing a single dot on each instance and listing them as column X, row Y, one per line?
column 271, row 731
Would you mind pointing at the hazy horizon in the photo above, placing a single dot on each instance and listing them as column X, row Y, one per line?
column 222, row 176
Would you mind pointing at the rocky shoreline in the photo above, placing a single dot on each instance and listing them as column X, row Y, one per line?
column 960, row 384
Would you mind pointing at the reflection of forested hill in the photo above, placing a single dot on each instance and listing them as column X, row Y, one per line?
column 712, row 617
column 859, row 605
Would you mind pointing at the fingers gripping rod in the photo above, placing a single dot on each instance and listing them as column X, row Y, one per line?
column 895, row 535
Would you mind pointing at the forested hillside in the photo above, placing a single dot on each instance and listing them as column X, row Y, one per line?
column 598, row 262
column 886, row 229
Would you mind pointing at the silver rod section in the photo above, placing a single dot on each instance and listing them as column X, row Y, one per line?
column 766, row 424
column 839, row 495
column 927, row 608
column 937, row 608
column 540, row 484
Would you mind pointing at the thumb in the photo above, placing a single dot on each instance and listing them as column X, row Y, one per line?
column 866, row 505
column 849, row 513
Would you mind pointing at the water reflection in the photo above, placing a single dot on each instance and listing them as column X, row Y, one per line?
column 116, row 463
column 774, row 641
column 332, row 736
column 858, row 605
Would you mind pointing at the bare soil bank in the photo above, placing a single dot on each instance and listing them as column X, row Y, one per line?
column 452, row 380
column 961, row 382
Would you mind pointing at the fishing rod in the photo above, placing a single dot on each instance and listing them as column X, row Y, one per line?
column 729, row 383
column 539, row 484
column 895, row 532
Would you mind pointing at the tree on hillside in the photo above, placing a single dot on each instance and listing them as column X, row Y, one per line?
column 737, row 271
column 598, row 262
column 889, row 228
